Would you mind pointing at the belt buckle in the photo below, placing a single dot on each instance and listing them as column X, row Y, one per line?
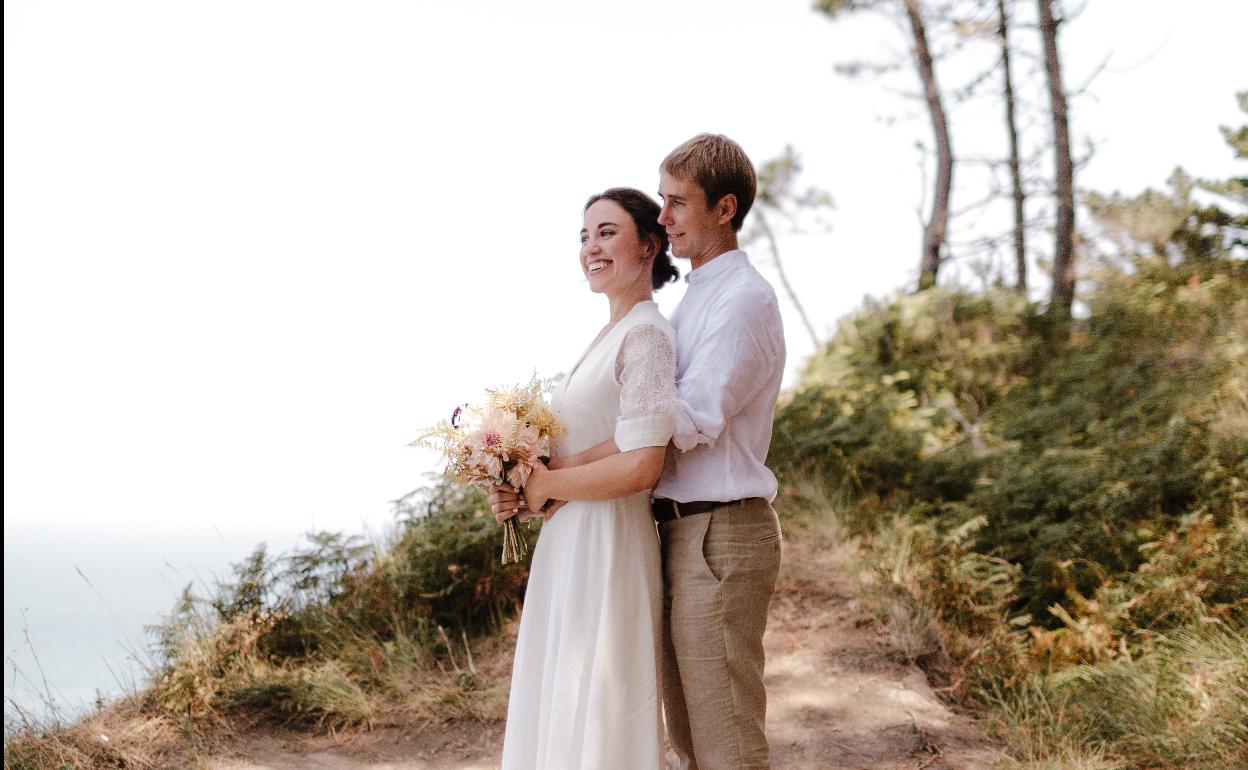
column 676, row 508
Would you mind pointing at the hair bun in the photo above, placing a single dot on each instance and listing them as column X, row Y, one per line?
column 663, row 272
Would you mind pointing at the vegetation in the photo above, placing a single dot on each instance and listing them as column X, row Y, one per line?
column 1057, row 524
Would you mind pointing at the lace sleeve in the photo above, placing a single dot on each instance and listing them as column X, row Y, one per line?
column 645, row 367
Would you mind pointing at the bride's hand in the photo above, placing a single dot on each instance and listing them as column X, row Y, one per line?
column 535, row 494
column 506, row 502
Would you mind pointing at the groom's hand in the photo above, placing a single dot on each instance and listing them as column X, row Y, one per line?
column 505, row 502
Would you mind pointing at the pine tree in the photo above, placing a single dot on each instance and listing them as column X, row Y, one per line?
column 935, row 230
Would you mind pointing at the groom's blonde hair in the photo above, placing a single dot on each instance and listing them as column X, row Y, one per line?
column 720, row 167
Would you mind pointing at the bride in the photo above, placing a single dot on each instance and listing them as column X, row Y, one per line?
column 584, row 686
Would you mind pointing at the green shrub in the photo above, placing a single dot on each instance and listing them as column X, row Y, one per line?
column 329, row 632
column 947, row 404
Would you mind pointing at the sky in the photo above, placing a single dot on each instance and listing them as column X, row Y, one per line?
column 252, row 248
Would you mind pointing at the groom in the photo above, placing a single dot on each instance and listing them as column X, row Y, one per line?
column 720, row 536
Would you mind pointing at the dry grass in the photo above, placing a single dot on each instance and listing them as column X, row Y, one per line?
column 124, row 735
column 140, row 733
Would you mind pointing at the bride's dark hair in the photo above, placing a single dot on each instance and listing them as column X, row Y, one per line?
column 645, row 214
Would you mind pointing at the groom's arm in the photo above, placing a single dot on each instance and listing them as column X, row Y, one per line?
column 734, row 360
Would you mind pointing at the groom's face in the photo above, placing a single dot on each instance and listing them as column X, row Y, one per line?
column 692, row 226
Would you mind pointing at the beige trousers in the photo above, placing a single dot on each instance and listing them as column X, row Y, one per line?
column 719, row 571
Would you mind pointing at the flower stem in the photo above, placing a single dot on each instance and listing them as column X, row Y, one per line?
column 514, row 547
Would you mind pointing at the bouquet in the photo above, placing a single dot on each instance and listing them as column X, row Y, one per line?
column 498, row 443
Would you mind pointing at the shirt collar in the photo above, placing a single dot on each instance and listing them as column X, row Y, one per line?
column 724, row 263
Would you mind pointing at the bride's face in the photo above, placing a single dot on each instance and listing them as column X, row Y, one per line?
column 613, row 257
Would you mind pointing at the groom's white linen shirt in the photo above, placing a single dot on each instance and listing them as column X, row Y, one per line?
column 730, row 362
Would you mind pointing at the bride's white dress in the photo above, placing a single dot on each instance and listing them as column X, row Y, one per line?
column 584, row 686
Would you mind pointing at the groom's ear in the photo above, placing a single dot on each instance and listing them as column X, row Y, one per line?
column 726, row 209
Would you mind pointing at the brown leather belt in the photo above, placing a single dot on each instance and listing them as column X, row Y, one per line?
column 666, row 510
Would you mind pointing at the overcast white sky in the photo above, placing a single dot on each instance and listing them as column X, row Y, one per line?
column 251, row 248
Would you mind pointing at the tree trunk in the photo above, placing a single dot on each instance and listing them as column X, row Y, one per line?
column 1064, row 174
column 1016, row 178
column 934, row 232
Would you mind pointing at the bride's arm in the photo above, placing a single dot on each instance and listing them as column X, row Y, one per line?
column 506, row 502
column 596, row 452
column 646, row 374
column 632, row 461
column 616, row 475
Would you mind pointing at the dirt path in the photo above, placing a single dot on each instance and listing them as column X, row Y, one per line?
column 835, row 700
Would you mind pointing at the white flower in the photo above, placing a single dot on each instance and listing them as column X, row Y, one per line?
column 487, row 464
column 518, row 476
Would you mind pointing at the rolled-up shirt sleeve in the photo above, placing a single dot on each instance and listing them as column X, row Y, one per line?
column 733, row 362
column 646, row 371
